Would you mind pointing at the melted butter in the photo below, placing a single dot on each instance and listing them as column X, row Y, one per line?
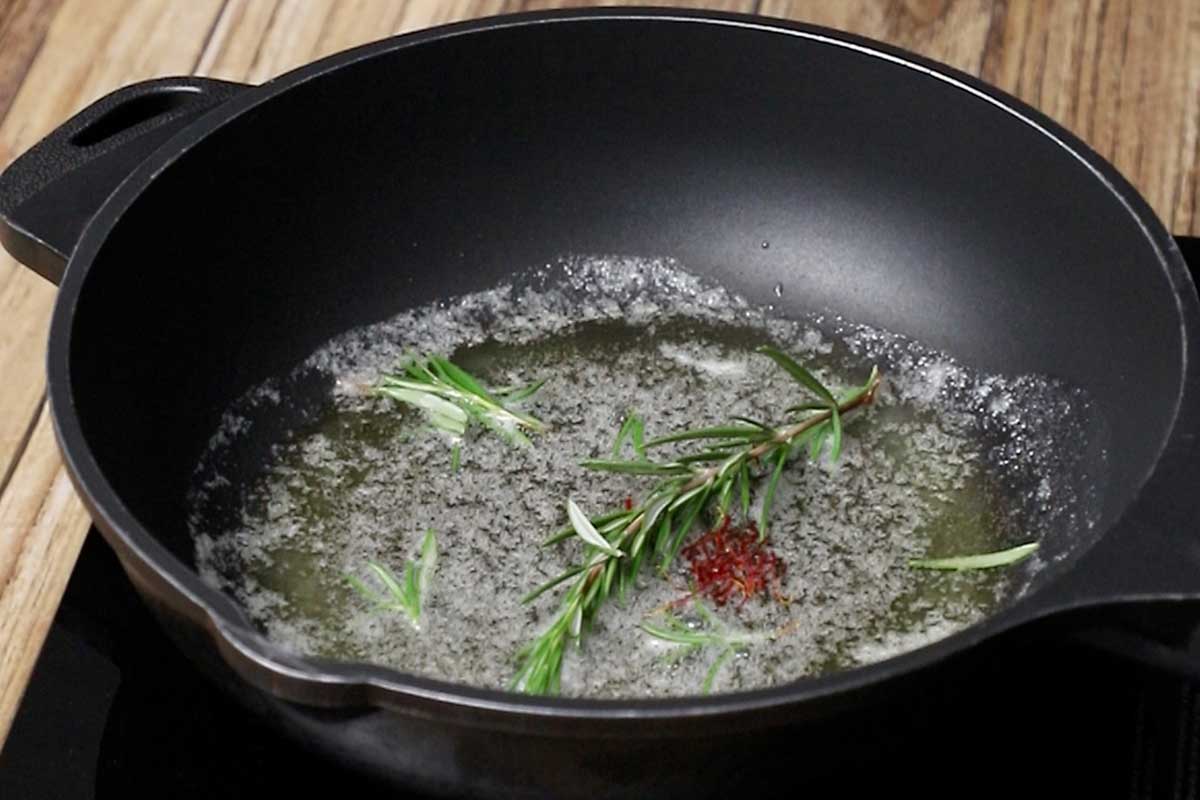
column 938, row 466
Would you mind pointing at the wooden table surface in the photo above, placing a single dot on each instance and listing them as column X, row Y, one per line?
column 1122, row 74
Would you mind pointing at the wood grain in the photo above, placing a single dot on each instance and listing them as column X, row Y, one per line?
column 42, row 527
column 1122, row 74
column 23, row 25
column 91, row 48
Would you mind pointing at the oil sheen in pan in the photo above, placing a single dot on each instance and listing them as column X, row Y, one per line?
column 948, row 461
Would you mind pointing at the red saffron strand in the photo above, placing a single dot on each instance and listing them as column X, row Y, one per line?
column 728, row 562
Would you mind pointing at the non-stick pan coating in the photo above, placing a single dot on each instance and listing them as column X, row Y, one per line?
column 885, row 194
column 868, row 185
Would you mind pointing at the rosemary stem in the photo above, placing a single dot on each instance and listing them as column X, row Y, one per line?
column 786, row 435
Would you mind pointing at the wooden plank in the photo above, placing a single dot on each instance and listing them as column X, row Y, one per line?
column 23, row 25
column 954, row 33
column 42, row 527
column 259, row 39
column 1117, row 74
column 1123, row 75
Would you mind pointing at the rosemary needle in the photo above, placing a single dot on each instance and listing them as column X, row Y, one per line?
column 715, row 634
column 999, row 558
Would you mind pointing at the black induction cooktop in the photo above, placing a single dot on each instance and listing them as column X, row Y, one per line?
column 114, row 711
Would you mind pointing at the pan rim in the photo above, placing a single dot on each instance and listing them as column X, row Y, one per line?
column 353, row 684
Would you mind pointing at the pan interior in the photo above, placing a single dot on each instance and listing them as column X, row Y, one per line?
column 944, row 462
column 870, row 191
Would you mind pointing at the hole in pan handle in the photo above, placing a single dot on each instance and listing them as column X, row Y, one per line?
column 48, row 195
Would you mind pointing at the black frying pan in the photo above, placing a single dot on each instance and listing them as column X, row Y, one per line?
column 233, row 229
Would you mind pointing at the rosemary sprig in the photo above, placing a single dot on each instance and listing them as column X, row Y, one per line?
column 687, row 486
column 999, row 558
column 405, row 596
column 690, row 639
column 452, row 398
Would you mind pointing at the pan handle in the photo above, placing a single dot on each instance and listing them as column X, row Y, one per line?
column 49, row 194
column 1136, row 593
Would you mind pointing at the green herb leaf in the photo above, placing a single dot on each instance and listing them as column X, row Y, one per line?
column 704, row 457
column 555, row 581
column 675, row 631
column 517, row 395
column 835, row 425
column 764, row 514
column 688, row 495
column 654, row 508
column 691, row 511
column 407, row 597
column 429, row 556
column 639, row 555
column 725, row 497
column 443, row 414
column 610, row 571
column 762, row 426
column 676, row 634
column 796, row 409
column 1000, row 558
column 450, row 398
column 364, row 590
column 584, row 528
column 616, row 524
column 412, row 590
column 387, row 579
column 566, row 533
column 663, row 540
column 634, row 467
column 459, row 377
column 710, row 677
column 744, row 484
column 817, row 443
column 802, row 376
column 739, row 432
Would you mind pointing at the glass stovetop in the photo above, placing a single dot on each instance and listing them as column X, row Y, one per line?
column 113, row 711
